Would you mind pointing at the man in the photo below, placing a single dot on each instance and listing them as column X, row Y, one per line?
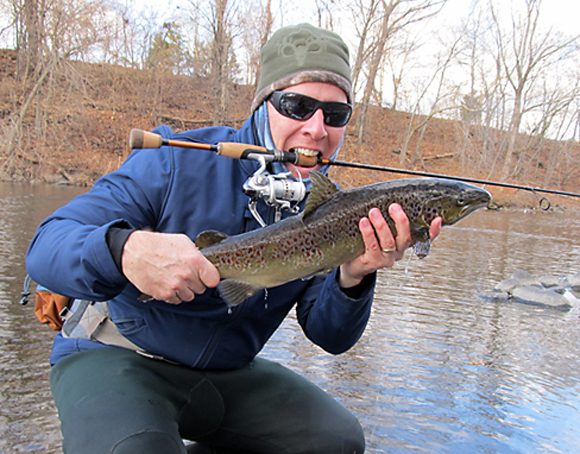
column 196, row 375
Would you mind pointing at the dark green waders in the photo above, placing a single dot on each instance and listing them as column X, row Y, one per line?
column 112, row 400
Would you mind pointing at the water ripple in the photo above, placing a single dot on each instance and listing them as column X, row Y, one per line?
column 437, row 370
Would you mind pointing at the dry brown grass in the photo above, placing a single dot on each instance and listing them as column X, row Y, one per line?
column 88, row 112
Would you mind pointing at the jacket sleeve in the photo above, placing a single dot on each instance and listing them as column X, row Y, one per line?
column 69, row 253
column 330, row 318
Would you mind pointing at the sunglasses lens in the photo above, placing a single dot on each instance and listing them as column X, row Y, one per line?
column 337, row 114
column 301, row 107
column 297, row 106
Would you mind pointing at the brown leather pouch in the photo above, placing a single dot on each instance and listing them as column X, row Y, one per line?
column 48, row 307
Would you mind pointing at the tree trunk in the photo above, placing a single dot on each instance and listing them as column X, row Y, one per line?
column 220, row 62
column 374, row 66
column 29, row 41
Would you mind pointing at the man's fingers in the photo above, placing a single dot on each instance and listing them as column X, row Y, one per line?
column 435, row 227
column 403, row 238
column 368, row 233
column 383, row 231
column 209, row 276
column 168, row 267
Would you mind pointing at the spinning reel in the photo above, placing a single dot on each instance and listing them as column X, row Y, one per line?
column 279, row 191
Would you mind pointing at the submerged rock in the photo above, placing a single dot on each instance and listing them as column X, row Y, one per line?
column 573, row 297
column 547, row 291
column 557, row 283
column 526, row 278
column 542, row 296
column 507, row 285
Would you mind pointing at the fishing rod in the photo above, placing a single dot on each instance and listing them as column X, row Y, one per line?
column 144, row 139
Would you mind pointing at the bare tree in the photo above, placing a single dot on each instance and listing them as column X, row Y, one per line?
column 324, row 10
column 400, row 63
column 441, row 101
column 199, row 39
column 390, row 16
column 515, row 93
column 570, row 150
column 219, row 16
column 364, row 17
column 472, row 100
column 129, row 35
column 525, row 53
column 255, row 28
column 49, row 36
column 30, row 39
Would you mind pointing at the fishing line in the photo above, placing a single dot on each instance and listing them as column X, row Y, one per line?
column 543, row 202
column 144, row 139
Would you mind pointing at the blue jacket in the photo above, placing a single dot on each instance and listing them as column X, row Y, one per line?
column 176, row 190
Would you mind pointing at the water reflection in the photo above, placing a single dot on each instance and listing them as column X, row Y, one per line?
column 28, row 421
column 437, row 370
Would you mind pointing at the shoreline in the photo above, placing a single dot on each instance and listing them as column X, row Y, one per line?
column 503, row 200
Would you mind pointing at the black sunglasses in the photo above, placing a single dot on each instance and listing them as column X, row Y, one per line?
column 301, row 107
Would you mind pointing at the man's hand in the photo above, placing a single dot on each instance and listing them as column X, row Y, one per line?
column 168, row 267
column 381, row 249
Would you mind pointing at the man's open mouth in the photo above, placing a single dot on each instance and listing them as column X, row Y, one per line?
column 305, row 151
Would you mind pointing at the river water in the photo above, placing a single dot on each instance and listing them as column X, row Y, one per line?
column 439, row 369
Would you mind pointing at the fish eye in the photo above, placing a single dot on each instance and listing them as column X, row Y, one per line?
column 460, row 201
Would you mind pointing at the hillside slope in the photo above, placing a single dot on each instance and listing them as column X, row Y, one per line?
column 80, row 131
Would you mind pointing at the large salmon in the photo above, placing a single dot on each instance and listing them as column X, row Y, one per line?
column 327, row 235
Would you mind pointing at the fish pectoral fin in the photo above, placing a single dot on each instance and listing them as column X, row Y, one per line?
column 422, row 248
column 235, row 292
column 208, row 238
column 421, row 241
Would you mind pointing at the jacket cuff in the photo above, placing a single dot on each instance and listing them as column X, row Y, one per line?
column 116, row 238
column 359, row 290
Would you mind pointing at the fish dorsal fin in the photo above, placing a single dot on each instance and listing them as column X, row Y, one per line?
column 208, row 238
column 322, row 190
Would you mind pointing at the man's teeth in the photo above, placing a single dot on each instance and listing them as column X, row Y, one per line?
column 305, row 151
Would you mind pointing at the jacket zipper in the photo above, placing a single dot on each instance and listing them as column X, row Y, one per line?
column 216, row 336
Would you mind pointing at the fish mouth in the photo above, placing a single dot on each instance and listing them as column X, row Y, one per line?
column 474, row 205
column 306, row 151
column 467, row 210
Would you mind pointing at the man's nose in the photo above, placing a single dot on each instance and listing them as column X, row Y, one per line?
column 315, row 126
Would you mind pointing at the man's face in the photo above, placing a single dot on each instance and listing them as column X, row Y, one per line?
column 312, row 135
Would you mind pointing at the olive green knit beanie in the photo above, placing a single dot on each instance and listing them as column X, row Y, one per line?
column 303, row 53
